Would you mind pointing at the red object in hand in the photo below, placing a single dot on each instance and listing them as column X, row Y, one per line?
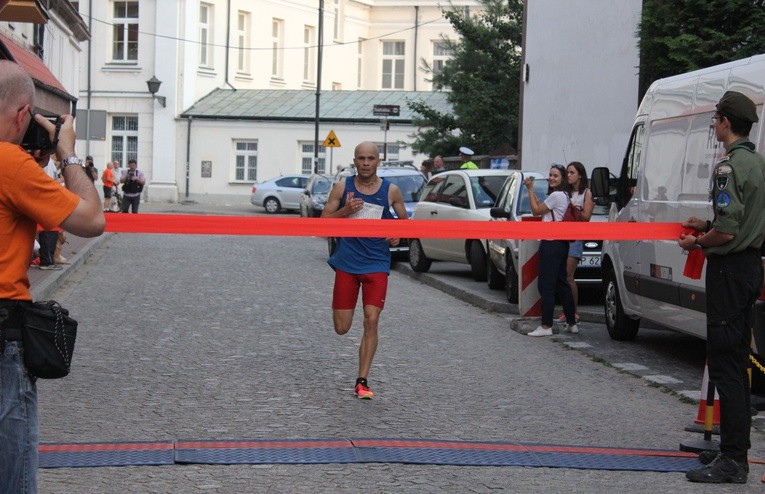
column 694, row 265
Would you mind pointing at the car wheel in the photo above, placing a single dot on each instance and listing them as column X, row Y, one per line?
column 511, row 280
column 272, row 205
column 477, row 261
column 417, row 259
column 331, row 245
column 493, row 276
column 621, row 327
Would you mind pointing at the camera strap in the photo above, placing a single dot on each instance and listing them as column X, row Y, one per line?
column 54, row 142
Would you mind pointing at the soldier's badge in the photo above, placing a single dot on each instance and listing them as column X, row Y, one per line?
column 724, row 169
column 723, row 200
column 721, row 181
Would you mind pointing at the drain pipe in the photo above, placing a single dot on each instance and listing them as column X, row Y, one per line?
column 416, row 28
column 90, row 90
column 228, row 44
column 188, row 155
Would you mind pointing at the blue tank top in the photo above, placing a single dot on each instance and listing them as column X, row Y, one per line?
column 360, row 255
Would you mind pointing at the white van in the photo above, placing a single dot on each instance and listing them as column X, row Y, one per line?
column 665, row 177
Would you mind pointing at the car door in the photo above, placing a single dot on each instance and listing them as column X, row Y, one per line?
column 289, row 190
column 452, row 203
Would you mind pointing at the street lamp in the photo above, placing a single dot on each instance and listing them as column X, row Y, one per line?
column 153, row 85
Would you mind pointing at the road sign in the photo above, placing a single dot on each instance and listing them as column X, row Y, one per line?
column 331, row 141
column 386, row 110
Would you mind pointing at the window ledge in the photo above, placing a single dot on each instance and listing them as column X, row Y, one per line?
column 243, row 76
column 277, row 81
column 121, row 67
column 206, row 71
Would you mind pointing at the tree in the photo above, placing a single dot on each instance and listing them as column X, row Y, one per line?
column 483, row 80
column 677, row 36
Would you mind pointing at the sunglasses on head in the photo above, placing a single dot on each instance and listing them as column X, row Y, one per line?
column 561, row 168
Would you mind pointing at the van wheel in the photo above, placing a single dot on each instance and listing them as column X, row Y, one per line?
column 477, row 261
column 493, row 276
column 621, row 327
column 417, row 259
column 511, row 281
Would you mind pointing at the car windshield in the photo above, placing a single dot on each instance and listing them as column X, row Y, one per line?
column 486, row 189
column 410, row 186
column 540, row 189
column 322, row 186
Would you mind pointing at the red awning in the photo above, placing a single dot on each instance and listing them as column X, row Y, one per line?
column 51, row 95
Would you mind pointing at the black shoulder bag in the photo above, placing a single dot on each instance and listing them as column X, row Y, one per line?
column 48, row 336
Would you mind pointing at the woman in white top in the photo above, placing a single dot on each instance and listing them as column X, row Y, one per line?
column 581, row 197
column 553, row 253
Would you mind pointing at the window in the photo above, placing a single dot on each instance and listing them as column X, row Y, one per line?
column 125, row 32
column 308, row 51
column 277, row 34
column 360, row 63
column 205, row 35
column 454, row 193
column 391, row 154
column 246, row 161
column 243, row 42
column 393, row 65
column 441, row 54
column 124, row 138
column 338, row 25
column 306, row 158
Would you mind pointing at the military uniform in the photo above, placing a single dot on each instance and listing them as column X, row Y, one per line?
column 733, row 282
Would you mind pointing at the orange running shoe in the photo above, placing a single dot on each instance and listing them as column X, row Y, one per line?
column 363, row 392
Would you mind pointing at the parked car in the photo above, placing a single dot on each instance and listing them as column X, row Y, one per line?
column 456, row 195
column 315, row 195
column 408, row 178
column 513, row 205
column 279, row 193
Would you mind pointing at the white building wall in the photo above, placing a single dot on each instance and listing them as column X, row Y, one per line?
column 582, row 91
column 169, row 48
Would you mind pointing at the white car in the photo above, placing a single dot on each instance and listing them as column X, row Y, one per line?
column 456, row 195
column 279, row 193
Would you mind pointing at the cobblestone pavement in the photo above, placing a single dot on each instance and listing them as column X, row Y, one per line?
column 201, row 337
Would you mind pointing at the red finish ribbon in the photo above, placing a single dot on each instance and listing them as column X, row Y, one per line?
column 343, row 227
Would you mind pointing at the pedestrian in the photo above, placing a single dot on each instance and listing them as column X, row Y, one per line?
column 48, row 239
column 438, row 165
column 108, row 180
column 552, row 279
column 362, row 263
column 132, row 181
column 466, row 158
column 425, row 170
column 29, row 197
column 581, row 197
column 90, row 169
column 731, row 242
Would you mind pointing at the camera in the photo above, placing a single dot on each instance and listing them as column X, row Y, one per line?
column 37, row 138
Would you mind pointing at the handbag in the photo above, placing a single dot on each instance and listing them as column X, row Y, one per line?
column 48, row 334
column 572, row 213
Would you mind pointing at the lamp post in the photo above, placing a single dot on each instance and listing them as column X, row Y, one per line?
column 153, row 85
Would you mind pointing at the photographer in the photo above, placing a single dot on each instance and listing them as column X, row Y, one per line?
column 28, row 197
column 132, row 181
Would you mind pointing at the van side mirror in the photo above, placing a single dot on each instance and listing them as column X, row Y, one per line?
column 600, row 183
column 499, row 213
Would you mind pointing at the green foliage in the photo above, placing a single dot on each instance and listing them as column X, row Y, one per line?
column 678, row 36
column 483, row 80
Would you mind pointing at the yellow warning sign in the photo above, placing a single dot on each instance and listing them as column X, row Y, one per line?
column 331, row 141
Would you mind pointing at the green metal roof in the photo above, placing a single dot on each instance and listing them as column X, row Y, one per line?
column 300, row 105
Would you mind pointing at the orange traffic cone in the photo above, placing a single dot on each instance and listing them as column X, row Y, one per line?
column 699, row 422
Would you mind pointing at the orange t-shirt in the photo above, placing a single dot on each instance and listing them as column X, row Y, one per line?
column 28, row 196
column 108, row 178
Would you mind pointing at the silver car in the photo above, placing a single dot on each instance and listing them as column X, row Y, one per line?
column 456, row 195
column 279, row 193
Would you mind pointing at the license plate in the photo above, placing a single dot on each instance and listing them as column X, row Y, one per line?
column 589, row 261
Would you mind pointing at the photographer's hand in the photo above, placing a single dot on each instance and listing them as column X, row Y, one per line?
column 66, row 135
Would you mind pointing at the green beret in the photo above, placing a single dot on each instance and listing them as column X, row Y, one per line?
column 736, row 105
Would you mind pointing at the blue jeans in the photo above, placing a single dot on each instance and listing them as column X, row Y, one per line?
column 553, row 280
column 19, row 431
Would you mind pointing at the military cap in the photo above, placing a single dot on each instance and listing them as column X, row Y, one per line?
column 466, row 151
column 736, row 105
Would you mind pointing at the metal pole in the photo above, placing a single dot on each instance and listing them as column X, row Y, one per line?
column 188, row 155
column 385, row 140
column 318, row 88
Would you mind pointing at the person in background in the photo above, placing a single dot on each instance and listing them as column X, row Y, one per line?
column 581, row 197
column 425, row 170
column 90, row 169
column 362, row 263
column 552, row 280
column 466, row 157
column 438, row 165
column 132, row 181
column 732, row 243
column 108, row 180
column 29, row 197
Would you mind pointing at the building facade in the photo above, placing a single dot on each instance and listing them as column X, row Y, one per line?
column 195, row 48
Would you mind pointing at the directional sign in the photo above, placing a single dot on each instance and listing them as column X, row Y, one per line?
column 386, row 110
column 331, row 141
